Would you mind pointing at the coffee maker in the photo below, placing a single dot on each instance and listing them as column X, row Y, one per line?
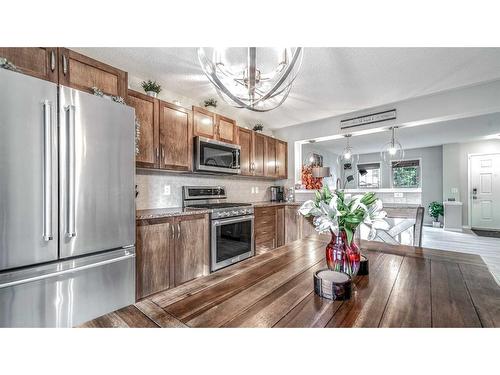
column 277, row 193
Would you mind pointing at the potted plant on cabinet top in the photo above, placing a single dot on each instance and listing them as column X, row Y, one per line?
column 151, row 88
column 210, row 103
column 258, row 127
column 436, row 209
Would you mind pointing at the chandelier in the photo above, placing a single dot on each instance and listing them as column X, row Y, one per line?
column 258, row 79
column 392, row 153
column 347, row 155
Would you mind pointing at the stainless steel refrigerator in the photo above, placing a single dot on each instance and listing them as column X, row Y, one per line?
column 67, row 204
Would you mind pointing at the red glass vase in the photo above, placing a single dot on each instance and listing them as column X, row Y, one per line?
column 341, row 256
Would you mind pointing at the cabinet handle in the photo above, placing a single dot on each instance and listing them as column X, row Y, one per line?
column 52, row 60
column 172, row 231
column 157, row 154
column 163, row 154
column 178, row 230
column 65, row 64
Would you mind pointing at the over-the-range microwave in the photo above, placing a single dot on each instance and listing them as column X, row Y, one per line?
column 215, row 156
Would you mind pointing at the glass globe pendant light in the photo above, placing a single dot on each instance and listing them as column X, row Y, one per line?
column 258, row 79
column 392, row 153
column 347, row 155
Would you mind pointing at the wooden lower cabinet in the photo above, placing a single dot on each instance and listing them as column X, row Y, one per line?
column 276, row 226
column 170, row 252
column 191, row 251
column 153, row 242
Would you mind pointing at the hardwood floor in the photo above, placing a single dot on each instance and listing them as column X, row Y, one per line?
column 407, row 287
column 465, row 242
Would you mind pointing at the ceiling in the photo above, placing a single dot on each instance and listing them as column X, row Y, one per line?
column 456, row 131
column 332, row 81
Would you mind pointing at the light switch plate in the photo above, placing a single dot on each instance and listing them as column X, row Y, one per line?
column 253, row 190
column 256, row 190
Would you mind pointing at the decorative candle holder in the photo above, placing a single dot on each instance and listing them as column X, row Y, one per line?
column 363, row 266
column 332, row 284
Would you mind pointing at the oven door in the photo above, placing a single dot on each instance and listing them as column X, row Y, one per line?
column 215, row 156
column 232, row 241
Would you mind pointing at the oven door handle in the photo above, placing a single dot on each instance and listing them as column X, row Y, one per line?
column 233, row 220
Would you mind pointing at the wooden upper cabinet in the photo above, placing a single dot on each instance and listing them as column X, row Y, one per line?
column 246, row 157
column 83, row 73
column 175, row 137
column 204, row 123
column 191, row 251
column 270, row 158
column 259, row 157
column 147, row 113
column 227, row 130
column 153, row 257
column 281, row 159
column 40, row 62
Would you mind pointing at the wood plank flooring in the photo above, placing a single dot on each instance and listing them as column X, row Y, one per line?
column 407, row 287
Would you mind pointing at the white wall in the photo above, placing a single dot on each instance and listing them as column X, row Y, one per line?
column 455, row 169
column 447, row 105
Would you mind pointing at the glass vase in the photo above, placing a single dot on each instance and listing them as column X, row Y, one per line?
column 341, row 256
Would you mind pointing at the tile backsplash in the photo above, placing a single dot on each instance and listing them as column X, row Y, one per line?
column 163, row 190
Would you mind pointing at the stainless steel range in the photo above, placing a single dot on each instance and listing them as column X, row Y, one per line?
column 231, row 224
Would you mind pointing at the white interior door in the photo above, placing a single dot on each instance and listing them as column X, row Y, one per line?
column 485, row 191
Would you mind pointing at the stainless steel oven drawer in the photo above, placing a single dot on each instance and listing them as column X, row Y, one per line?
column 68, row 293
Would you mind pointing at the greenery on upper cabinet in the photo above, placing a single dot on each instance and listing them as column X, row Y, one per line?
column 151, row 86
column 210, row 102
column 258, row 127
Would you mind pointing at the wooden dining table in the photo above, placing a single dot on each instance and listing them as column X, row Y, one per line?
column 406, row 287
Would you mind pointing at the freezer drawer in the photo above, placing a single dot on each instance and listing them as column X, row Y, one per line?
column 68, row 293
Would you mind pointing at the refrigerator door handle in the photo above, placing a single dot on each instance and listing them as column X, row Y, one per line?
column 47, row 171
column 70, row 220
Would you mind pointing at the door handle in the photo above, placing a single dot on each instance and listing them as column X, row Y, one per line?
column 52, row 60
column 71, row 225
column 65, row 64
column 47, row 171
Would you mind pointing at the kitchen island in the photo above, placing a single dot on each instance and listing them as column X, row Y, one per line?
column 407, row 287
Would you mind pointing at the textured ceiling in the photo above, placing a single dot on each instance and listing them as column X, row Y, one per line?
column 332, row 81
column 456, row 131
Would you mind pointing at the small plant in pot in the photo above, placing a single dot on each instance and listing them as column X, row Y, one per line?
column 258, row 127
column 151, row 88
column 210, row 103
column 436, row 209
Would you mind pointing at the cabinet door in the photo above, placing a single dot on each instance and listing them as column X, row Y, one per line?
column 153, row 257
column 83, row 73
column 227, row 130
column 280, row 226
column 147, row 114
column 204, row 123
column 259, row 154
column 175, row 137
column 265, row 229
column 40, row 62
column 281, row 159
column 270, row 159
column 292, row 227
column 191, row 251
column 246, row 159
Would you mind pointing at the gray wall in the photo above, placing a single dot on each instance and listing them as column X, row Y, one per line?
column 456, row 169
column 431, row 169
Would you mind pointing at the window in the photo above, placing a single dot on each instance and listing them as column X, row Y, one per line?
column 369, row 175
column 406, row 174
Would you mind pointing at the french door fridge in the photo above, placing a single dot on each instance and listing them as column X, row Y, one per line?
column 67, row 204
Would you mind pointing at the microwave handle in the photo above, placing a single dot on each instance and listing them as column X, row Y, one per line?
column 236, row 157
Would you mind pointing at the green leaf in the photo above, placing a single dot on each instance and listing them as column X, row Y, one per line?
column 349, row 234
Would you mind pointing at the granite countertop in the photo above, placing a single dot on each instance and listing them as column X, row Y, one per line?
column 166, row 212
column 271, row 204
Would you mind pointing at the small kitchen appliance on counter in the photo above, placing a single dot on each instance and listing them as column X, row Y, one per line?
column 277, row 193
column 231, row 224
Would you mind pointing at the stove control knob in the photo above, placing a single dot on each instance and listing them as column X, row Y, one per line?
column 234, row 212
